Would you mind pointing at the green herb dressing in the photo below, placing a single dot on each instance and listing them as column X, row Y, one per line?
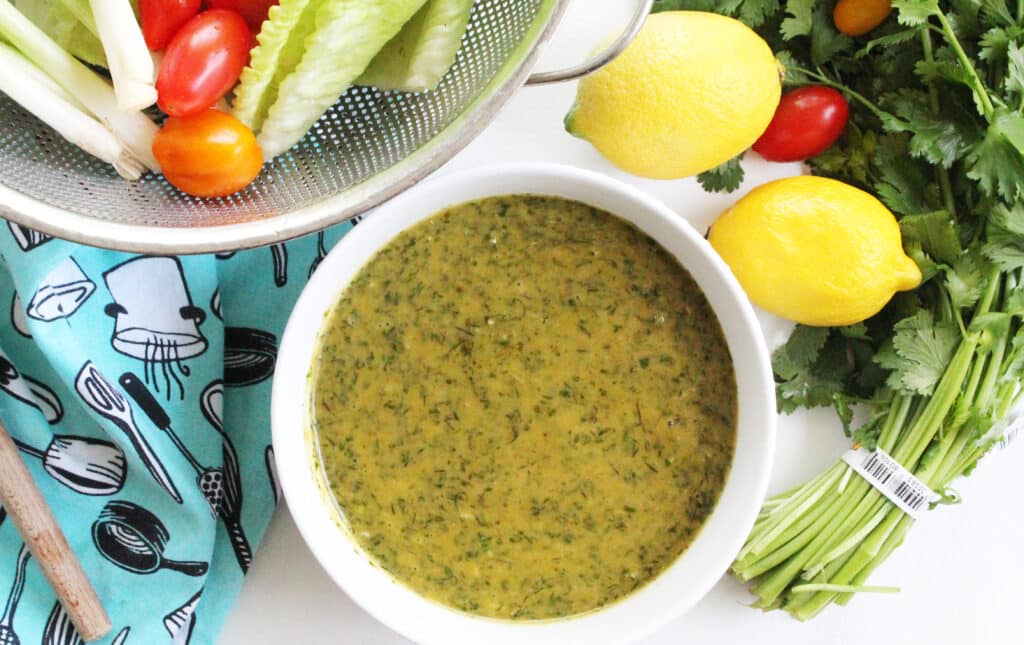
column 526, row 408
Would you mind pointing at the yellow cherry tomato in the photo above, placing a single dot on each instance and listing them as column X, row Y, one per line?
column 210, row 154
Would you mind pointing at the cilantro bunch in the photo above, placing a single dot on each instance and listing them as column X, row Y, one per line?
column 937, row 133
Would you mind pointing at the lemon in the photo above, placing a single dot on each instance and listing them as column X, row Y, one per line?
column 690, row 93
column 815, row 250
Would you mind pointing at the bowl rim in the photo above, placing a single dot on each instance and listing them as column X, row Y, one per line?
column 666, row 597
column 375, row 190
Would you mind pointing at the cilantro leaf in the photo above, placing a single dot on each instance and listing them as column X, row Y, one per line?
column 965, row 280
column 850, row 158
column 798, row 382
column 963, row 17
column 799, row 19
column 687, row 5
column 1003, row 247
column 994, row 44
column 919, row 352
column 997, row 12
column 1015, row 69
column 826, row 41
column 941, row 139
column 724, row 178
column 903, row 184
column 995, row 161
column 754, row 12
column 1009, row 218
column 915, row 12
column 887, row 41
column 946, row 66
column 857, row 330
column 937, row 233
column 929, row 267
column 791, row 75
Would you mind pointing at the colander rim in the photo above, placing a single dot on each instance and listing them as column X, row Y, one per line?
column 360, row 198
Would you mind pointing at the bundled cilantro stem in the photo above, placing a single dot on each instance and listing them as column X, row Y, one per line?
column 937, row 133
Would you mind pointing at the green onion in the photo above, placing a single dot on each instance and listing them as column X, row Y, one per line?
column 132, row 128
column 38, row 94
column 128, row 59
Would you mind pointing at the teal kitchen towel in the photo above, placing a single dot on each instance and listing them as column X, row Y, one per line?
column 138, row 390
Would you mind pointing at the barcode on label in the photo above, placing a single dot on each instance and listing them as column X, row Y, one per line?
column 891, row 479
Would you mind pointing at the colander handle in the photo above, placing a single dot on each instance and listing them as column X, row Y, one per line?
column 602, row 58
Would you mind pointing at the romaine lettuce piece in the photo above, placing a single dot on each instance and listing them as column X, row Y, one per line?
column 64, row 28
column 417, row 58
column 348, row 34
column 281, row 42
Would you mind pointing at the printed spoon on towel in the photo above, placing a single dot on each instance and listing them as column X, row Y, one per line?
column 221, row 486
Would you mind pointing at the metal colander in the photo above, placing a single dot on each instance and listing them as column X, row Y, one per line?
column 370, row 146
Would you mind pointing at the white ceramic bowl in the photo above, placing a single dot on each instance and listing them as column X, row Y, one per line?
column 319, row 519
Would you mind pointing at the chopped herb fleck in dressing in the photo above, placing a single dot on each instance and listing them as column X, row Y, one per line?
column 526, row 408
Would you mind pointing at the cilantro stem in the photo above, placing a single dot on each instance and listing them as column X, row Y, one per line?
column 945, row 185
column 825, row 80
column 843, row 588
column 976, row 83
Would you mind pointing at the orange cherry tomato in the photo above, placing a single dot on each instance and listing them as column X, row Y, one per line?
column 858, row 17
column 210, row 154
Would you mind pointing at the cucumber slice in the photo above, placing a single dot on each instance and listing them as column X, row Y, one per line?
column 417, row 58
column 348, row 34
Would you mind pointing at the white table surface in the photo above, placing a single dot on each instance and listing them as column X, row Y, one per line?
column 957, row 568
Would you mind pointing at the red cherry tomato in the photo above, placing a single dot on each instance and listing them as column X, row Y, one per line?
column 203, row 62
column 161, row 19
column 254, row 11
column 807, row 121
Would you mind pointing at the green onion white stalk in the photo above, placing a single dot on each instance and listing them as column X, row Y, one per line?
column 38, row 94
column 131, row 67
column 133, row 128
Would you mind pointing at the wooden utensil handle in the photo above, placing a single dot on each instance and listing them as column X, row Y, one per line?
column 35, row 522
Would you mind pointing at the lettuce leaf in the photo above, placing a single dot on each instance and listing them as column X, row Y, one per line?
column 348, row 34
column 64, row 28
column 281, row 42
column 417, row 58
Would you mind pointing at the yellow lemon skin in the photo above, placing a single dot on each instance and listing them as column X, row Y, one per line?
column 815, row 250
column 691, row 92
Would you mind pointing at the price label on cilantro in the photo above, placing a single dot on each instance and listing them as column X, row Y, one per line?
column 894, row 481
